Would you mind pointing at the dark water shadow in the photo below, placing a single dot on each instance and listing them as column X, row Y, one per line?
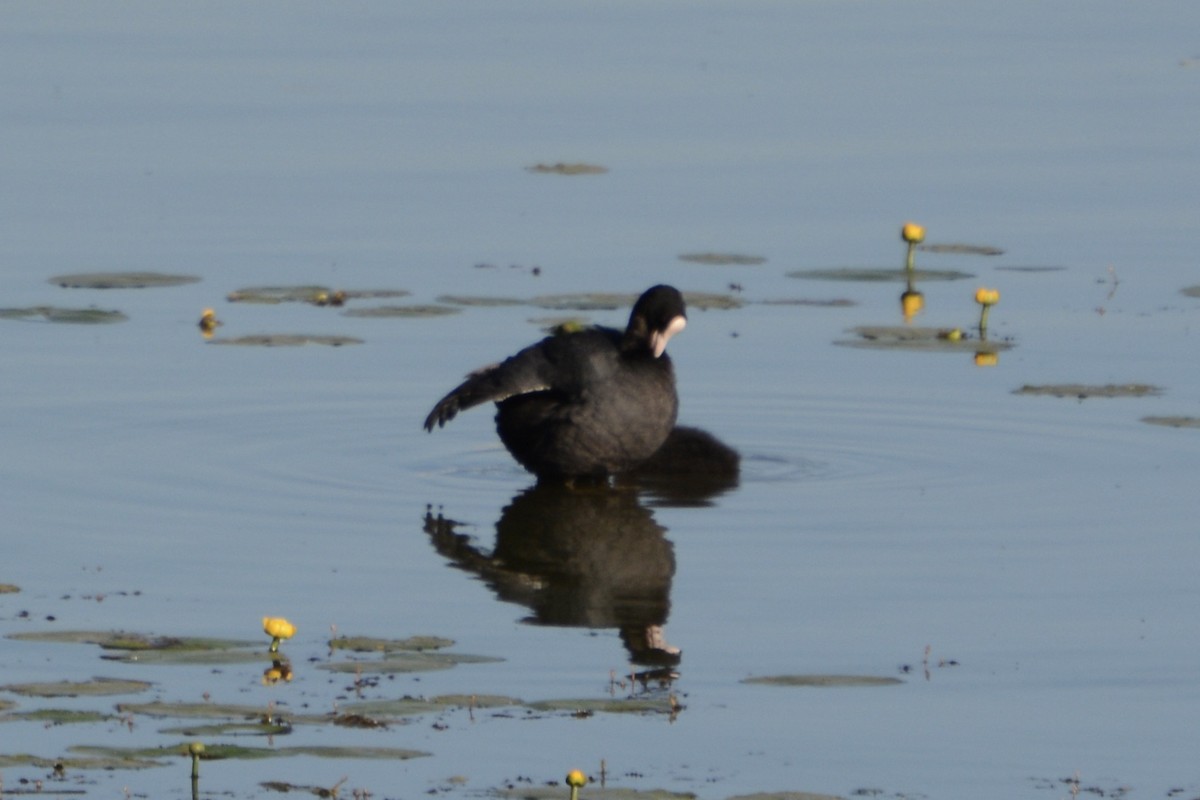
column 592, row 555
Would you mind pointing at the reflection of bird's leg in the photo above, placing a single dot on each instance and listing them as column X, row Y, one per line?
column 656, row 639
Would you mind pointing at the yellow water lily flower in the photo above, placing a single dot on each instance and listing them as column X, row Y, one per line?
column 987, row 297
column 575, row 779
column 912, row 233
column 911, row 303
column 985, row 359
column 278, row 628
column 195, row 749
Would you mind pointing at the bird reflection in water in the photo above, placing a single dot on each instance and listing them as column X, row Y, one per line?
column 592, row 555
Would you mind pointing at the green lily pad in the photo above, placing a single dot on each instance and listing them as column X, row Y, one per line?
column 218, row 751
column 721, row 259
column 611, row 301
column 406, row 312
column 835, row 302
column 930, row 340
column 369, row 644
column 144, row 648
column 407, row 662
column 1082, row 391
column 1191, row 291
column 1173, row 422
column 472, row 300
column 785, row 796
column 962, row 249
column 230, row 711
column 626, row 705
column 879, row 274
column 215, row 729
column 823, row 680
column 590, row 792
column 287, row 340
column 96, row 687
column 560, row 168
column 121, row 280
column 68, row 316
column 413, row 707
column 57, row 716
column 192, row 657
column 309, row 293
column 9, row 588
column 104, row 762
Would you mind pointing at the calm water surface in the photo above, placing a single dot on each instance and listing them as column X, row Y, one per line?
column 889, row 501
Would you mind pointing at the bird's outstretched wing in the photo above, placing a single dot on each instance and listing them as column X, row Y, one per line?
column 520, row 374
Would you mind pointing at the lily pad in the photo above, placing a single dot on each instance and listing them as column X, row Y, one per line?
column 1191, row 291
column 9, row 588
column 104, row 762
column 309, row 293
column 407, row 662
column 1173, row 422
column 721, row 259
column 416, row 310
column 962, row 249
column 611, row 301
column 785, row 796
column 68, row 316
column 823, row 680
column 287, row 340
column 214, row 729
column 57, row 716
column 230, row 711
column 834, row 302
column 925, row 340
column 369, row 644
column 474, row 300
column 1031, row 269
column 412, row 706
column 121, row 280
column 560, row 168
column 879, row 274
column 1082, row 391
column 216, row 752
column 589, row 793
column 138, row 646
column 96, row 687
column 626, row 705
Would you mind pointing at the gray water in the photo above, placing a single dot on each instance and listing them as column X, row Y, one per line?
column 890, row 501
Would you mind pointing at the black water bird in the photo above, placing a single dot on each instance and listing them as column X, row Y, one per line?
column 592, row 403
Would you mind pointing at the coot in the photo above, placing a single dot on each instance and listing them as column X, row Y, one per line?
column 587, row 404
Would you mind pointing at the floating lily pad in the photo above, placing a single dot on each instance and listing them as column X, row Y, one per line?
column 560, row 168
column 1191, row 291
column 371, row 644
column 962, row 249
column 211, row 730
column 230, row 711
column 626, row 705
column 590, row 792
column 58, row 716
column 216, row 752
column 412, row 706
column 1081, row 391
column 121, row 280
column 835, row 302
column 416, row 310
column 104, row 762
column 823, row 680
column 309, row 293
column 69, row 316
column 608, row 301
column 287, row 340
column 879, row 274
column 96, row 687
column 925, row 340
column 473, row 300
column 136, row 642
column 192, row 657
column 5, row 705
column 721, row 259
column 408, row 662
column 785, row 796
column 1173, row 422
column 9, row 588
column 1031, row 269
